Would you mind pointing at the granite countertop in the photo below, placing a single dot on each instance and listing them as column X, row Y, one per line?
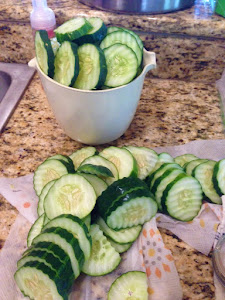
column 170, row 112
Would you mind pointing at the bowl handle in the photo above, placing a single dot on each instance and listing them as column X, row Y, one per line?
column 149, row 61
column 33, row 63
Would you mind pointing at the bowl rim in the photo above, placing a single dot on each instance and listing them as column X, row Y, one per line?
column 143, row 73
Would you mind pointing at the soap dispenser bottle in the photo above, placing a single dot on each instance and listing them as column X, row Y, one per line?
column 42, row 17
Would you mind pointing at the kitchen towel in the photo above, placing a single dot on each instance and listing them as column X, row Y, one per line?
column 148, row 253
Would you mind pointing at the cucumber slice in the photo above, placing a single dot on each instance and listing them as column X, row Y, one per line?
column 165, row 157
column 80, row 155
column 48, row 171
column 70, row 194
column 44, row 192
column 101, row 161
column 124, row 236
column 204, row 173
column 65, row 240
column 123, row 160
column 125, row 38
column 104, row 258
column 44, row 52
column 131, row 285
column 64, row 158
column 35, row 229
column 218, row 177
column 55, row 45
column 95, row 170
column 182, row 159
column 94, row 35
column 87, row 221
column 36, row 280
column 72, row 29
column 122, row 65
column 120, row 248
column 98, row 184
column 111, row 29
column 92, row 67
column 66, row 64
column 182, row 198
column 189, row 166
column 75, row 226
column 162, row 182
column 146, row 159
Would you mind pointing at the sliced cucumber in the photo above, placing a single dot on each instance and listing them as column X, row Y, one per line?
column 92, row 67
column 66, row 64
column 190, row 165
column 70, row 194
column 165, row 157
column 104, row 258
column 65, row 240
column 94, row 35
column 146, row 159
column 48, row 171
column 204, row 173
column 111, row 29
column 101, row 161
column 80, row 155
column 218, row 177
column 36, row 280
column 44, row 192
column 124, row 161
column 182, row 198
column 98, row 184
column 120, row 248
column 44, row 52
column 72, row 29
column 123, row 236
column 87, row 221
column 122, row 65
column 55, row 45
column 35, row 229
column 131, row 285
column 125, row 38
column 62, row 157
column 100, row 171
column 182, row 159
column 75, row 226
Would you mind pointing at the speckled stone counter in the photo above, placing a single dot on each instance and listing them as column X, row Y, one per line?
column 170, row 112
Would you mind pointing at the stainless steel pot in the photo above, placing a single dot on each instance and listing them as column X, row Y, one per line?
column 140, row 6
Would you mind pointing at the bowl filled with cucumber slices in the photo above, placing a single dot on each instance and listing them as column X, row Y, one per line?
column 92, row 76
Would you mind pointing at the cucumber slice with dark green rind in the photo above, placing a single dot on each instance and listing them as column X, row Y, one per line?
column 104, row 258
column 66, row 159
column 95, row 170
column 72, row 29
column 94, row 35
column 182, row 159
column 165, row 157
column 182, row 198
column 125, row 38
column 123, row 236
column 204, row 173
column 62, row 269
column 98, row 184
column 36, row 280
column 44, row 192
column 77, row 227
column 111, row 29
column 66, row 64
column 120, row 248
column 80, row 155
column 70, row 194
column 130, row 285
column 146, row 159
column 47, row 171
column 218, row 177
column 35, row 229
column 67, row 242
column 124, row 161
column 87, row 221
column 92, row 67
column 190, row 165
column 101, row 161
column 122, row 65
column 44, row 52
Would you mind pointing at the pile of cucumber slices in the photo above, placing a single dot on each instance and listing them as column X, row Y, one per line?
column 87, row 55
column 92, row 206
